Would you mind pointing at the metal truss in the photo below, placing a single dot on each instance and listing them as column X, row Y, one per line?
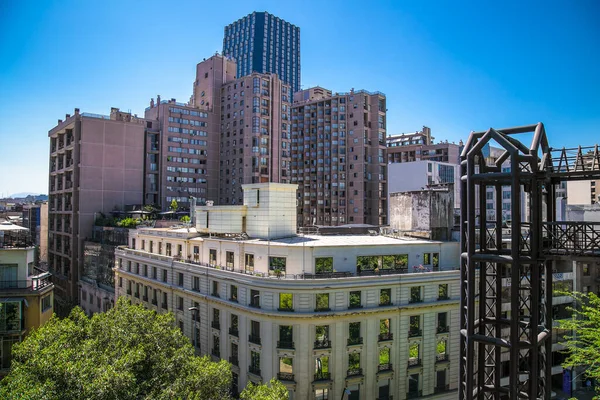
column 499, row 319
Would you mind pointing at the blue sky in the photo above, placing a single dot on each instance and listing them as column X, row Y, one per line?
column 453, row 66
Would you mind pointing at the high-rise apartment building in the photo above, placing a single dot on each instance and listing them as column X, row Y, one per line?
column 96, row 166
column 254, row 132
column 339, row 157
column 263, row 43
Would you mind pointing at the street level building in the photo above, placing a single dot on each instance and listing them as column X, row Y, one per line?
column 26, row 292
column 261, row 42
column 325, row 314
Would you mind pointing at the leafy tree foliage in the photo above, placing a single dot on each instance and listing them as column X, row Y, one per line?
column 583, row 345
column 174, row 206
column 273, row 390
column 125, row 353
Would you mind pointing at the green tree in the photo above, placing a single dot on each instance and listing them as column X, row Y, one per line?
column 174, row 206
column 125, row 353
column 273, row 390
column 583, row 345
column 185, row 219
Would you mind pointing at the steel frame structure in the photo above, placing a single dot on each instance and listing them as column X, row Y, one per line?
column 525, row 331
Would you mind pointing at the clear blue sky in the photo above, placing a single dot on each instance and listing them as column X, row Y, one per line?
column 453, row 67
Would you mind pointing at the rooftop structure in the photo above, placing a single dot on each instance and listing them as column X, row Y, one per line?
column 409, row 147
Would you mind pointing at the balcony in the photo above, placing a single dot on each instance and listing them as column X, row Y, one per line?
column 215, row 294
column 33, row 284
column 282, row 344
column 441, row 389
column 254, row 304
column 354, row 372
column 384, row 337
column 414, row 300
column 254, row 339
column 216, row 325
column 320, row 309
column 323, row 344
column 254, row 370
column 234, row 361
column 234, row 299
column 12, row 325
column 443, row 329
column 322, row 376
column 355, row 341
column 354, row 306
column 415, row 333
column 414, row 395
column 384, row 367
column 441, row 357
column 414, row 362
column 234, row 332
column 285, row 376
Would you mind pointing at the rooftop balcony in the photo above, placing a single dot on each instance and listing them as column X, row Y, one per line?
column 34, row 283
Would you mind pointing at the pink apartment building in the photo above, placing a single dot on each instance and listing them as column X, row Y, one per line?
column 96, row 165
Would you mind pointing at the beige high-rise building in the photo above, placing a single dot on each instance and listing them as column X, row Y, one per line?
column 96, row 166
column 339, row 157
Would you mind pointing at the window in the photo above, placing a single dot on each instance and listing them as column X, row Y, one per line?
column 322, row 302
column 255, row 363
column 355, row 299
column 385, row 297
column 415, row 294
column 286, row 369
column 442, row 322
column 180, row 279
column 254, row 298
column 321, row 394
column 323, row 265
column 196, row 283
column 286, row 337
column 354, row 364
column 180, row 325
column 234, row 329
column 249, row 262
column 120, row 282
column 180, row 303
column 254, row 332
column 168, row 251
column 277, row 265
column 286, row 302
column 165, row 300
column 233, row 296
column 441, row 353
column 216, row 351
column 586, row 270
column 414, row 328
column 443, row 292
column 164, row 275
column 212, row 257
column 426, row 258
column 322, row 337
column 159, row 247
column 215, row 288
column 322, row 368
column 229, row 263
column 154, row 273
column 46, row 302
column 384, row 330
column 414, row 354
column 384, row 359
column 354, row 336
column 216, row 322
column 413, row 386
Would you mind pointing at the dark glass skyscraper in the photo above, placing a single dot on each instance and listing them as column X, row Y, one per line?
column 261, row 42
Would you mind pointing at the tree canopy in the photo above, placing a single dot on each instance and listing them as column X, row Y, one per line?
column 273, row 390
column 583, row 334
column 126, row 353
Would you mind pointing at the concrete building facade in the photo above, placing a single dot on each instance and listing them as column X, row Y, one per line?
column 338, row 157
column 263, row 43
column 96, row 166
column 420, row 146
column 323, row 314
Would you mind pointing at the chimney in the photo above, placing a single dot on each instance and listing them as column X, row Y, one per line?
column 152, row 102
column 67, row 116
column 158, row 99
column 59, row 121
column 77, row 111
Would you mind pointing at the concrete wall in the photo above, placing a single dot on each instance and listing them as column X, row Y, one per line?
column 423, row 211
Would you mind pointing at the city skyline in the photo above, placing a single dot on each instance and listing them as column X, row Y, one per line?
column 469, row 70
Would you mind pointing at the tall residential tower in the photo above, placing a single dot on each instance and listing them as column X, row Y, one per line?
column 261, row 42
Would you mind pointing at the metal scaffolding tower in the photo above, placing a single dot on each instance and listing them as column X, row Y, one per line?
column 524, row 331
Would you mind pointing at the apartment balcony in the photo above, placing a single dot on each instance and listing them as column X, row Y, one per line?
column 32, row 284
column 441, row 389
column 415, row 333
column 234, row 361
column 216, row 325
column 384, row 337
column 384, row 367
column 234, row 332
column 215, row 294
column 414, row 395
column 254, row 339
column 414, row 362
column 443, row 329
column 285, row 376
column 415, row 300
column 355, row 341
column 254, row 370
column 322, row 344
column 354, row 372
column 254, row 304
column 322, row 376
column 282, row 344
